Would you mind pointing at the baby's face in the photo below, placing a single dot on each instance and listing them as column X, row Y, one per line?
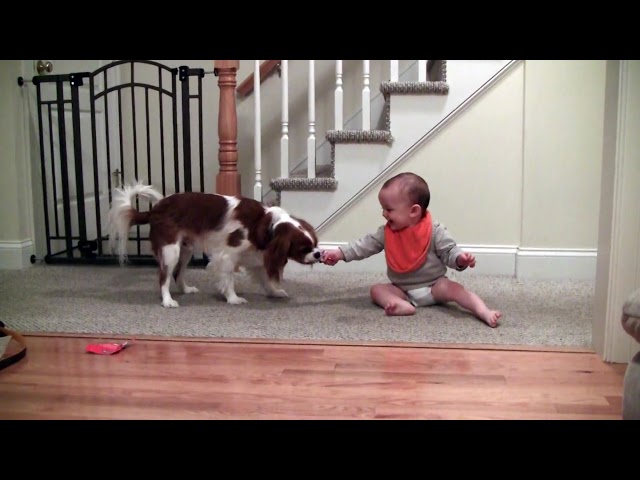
column 396, row 208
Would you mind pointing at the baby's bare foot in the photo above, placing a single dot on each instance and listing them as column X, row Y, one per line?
column 491, row 317
column 399, row 308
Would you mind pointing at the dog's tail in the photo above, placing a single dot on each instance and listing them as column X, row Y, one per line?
column 123, row 216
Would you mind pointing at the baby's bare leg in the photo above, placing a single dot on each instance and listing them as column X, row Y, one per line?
column 392, row 299
column 445, row 290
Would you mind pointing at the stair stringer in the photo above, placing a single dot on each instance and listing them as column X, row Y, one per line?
column 414, row 118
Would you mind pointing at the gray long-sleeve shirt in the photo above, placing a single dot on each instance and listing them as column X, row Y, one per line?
column 442, row 253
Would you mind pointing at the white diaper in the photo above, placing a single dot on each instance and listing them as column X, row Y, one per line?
column 421, row 297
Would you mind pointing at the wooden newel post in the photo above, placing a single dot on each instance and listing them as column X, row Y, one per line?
column 228, row 178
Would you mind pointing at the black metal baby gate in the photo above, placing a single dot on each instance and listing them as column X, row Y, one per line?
column 111, row 143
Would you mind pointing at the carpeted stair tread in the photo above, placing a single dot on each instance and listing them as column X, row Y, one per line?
column 323, row 184
column 359, row 136
column 414, row 88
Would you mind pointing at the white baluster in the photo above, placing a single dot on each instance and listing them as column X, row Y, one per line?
column 394, row 69
column 284, row 140
column 311, row 141
column 338, row 96
column 257, row 147
column 366, row 97
column 422, row 70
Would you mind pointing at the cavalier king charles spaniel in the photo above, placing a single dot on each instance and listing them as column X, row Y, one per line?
column 232, row 231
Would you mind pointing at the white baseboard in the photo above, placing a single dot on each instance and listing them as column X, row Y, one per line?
column 557, row 263
column 534, row 263
column 15, row 255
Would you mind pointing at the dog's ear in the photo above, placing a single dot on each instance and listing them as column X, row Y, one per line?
column 262, row 233
column 276, row 255
column 309, row 228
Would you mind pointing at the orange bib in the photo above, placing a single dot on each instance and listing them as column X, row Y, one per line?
column 406, row 249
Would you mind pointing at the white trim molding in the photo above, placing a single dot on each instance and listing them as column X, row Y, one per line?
column 492, row 260
column 618, row 271
column 15, row 255
column 556, row 263
column 507, row 260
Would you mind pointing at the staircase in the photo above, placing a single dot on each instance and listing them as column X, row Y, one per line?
column 406, row 114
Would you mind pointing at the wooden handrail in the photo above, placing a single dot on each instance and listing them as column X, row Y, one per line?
column 267, row 68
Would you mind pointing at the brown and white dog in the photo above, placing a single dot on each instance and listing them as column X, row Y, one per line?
column 232, row 231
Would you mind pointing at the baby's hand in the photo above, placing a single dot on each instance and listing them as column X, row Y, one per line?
column 466, row 260
column 331, row 257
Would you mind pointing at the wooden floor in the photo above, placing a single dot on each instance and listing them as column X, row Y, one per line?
column 161, row 379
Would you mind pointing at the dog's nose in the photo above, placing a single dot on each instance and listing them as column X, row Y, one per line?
column 316, row 255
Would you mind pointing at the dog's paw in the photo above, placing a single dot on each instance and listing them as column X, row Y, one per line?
column 236, row 300
column 188, row 289
column 279, row 293
column 170, row 303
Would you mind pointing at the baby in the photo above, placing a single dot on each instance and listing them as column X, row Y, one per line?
column 418, row 251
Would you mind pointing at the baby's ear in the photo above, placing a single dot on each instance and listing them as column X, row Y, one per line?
column 415, row 210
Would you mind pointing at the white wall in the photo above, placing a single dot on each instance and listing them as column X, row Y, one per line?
column 463, row 175
column 12, row 226
column 519, row 168
column 563, row 125
column 15, row 197
column 618, row 272
column 526, row 175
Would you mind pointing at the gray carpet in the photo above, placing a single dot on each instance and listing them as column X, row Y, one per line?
column 322, row 306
